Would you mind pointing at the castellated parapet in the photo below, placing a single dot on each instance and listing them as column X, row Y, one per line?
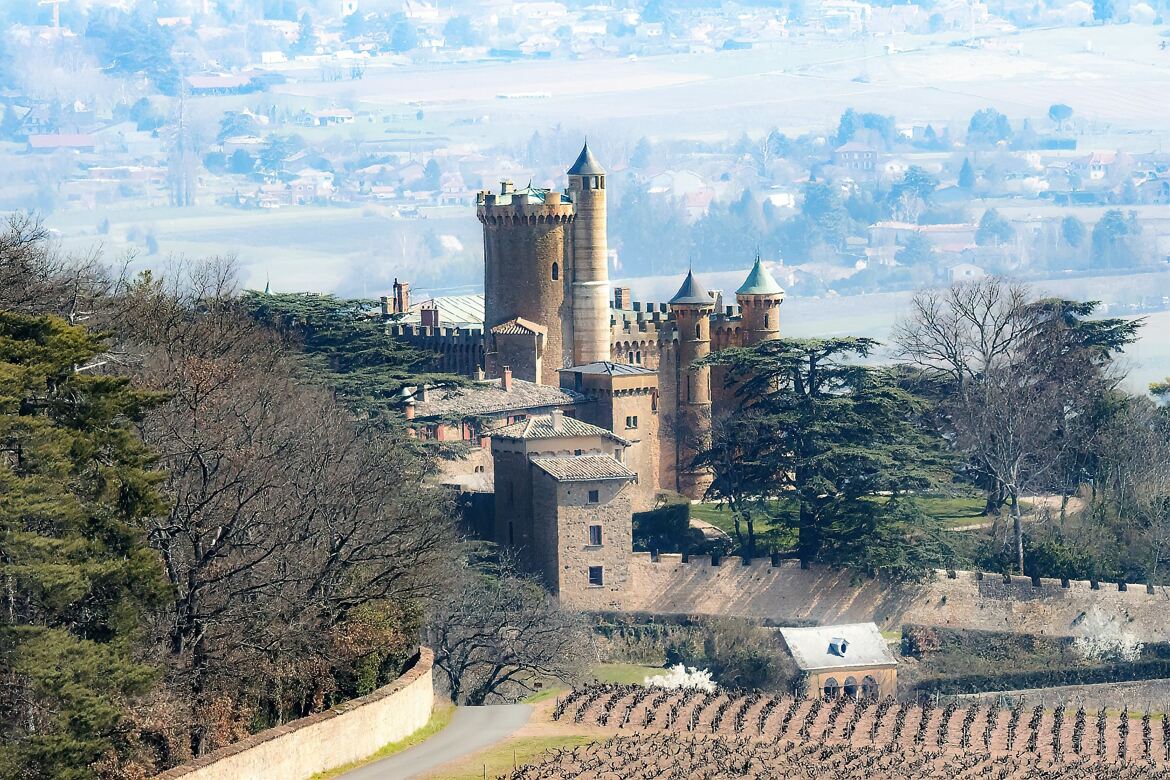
column 524, row 236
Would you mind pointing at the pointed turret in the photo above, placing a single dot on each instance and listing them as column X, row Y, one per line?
column 586, row 164
column 759, row 299
column 692, row 293
column 587, row 279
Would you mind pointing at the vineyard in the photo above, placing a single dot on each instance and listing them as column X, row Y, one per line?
column 690, row 733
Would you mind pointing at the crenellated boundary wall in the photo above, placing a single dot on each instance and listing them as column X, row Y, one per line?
column 325, row 740
column 785, row 590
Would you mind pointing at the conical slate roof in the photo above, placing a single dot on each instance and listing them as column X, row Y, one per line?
column 692, row 292
column 760, row 282
column 586, row 164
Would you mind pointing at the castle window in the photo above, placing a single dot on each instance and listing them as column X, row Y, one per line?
column 595, row 535
column 631, row 421
column 578, row 452
column 698, row 330
column 767, row 320
column 594, row 497
column 688, row 387
column 556, row 271
column 629, row 357
column 638, row 358
column 596, row 576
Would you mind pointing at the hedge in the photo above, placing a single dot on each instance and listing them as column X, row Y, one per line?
column 1155, row 669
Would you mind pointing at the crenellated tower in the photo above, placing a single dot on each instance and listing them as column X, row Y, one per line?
column 759, row 299
column 691, row 307
column 524, row 241
column 588, row 253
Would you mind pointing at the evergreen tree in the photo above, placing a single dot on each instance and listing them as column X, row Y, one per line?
column 348, row 349
column 75, row 483
column 840, row 439
column 994, row 229
column 967, row 174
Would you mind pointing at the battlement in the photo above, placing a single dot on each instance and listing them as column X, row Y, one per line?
column 452, row 334
column 528, row 206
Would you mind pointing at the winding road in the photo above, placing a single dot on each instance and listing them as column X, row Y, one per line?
column 471, row 729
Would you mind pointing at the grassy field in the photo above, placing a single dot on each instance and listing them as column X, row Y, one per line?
column 953, row 511
column 440, row 717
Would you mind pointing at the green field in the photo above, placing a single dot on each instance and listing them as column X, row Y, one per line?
column 775, row 527
column 498, row 761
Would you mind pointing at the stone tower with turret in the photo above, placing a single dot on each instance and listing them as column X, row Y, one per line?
column 691, row 307
column 759, row 299
column 525, row 234
column 588, row 253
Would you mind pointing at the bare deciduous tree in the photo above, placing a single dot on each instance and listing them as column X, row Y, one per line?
column 501, row 635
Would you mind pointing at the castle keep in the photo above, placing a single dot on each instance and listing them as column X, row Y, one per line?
column 636, row 405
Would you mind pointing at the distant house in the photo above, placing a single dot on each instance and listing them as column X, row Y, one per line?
column 965, row 272
column 222, row 83
column 856, row 156
column 333, row 116
column 844, row 660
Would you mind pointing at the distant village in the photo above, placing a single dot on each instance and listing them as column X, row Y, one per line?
column 212, row 124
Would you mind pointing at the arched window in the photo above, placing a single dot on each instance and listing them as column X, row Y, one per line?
column 556, row 271
column 851, row 687
column 869, row 687
column 767, row 320
column 688, row 388
column 698, row 330
column 832, row 688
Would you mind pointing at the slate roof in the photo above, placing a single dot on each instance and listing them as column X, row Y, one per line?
column 692, row 292
column 613, row 369
column 583, row 468
column 813, row 648
column 586, row 164
column 488, row 398
column 760, row 282
column 541, row 427
column 521, row 326
column 453, row 310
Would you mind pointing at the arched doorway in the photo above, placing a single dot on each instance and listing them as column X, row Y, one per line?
column 869, row 687
column 832, row 688
column 851, row 687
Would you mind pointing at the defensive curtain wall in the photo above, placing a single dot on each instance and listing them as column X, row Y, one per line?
column 782, row 591
column 326, row 740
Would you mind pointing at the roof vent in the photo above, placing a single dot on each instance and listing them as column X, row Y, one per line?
column 558, row 420
column 838, row 645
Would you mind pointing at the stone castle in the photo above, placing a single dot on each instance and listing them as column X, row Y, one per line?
column 595, row 403
column 588, row 405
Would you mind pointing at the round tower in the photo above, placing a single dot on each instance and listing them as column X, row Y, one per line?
column 524, row 266
column 691, row 308
column 759, row 299
column 589, row 258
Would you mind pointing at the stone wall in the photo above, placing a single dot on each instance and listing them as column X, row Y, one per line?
column 787, row 592
column 326, row 740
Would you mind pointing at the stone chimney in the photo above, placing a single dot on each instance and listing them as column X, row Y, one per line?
column 385, row 306
column 421, row 394
column 621, row 298
column 558, row 420
column 506, row 379
column 401, row 297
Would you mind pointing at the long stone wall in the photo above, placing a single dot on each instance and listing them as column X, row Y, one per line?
column 326, row 740
column 786, row 592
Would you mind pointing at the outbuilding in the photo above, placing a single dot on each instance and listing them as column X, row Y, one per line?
column 843, row 660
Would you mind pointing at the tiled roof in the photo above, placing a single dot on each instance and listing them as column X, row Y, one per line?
column 583, row 468
column 486, row 398
column 520, row 326
column 541, row 427
column 820, row 647
column 606, row 367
